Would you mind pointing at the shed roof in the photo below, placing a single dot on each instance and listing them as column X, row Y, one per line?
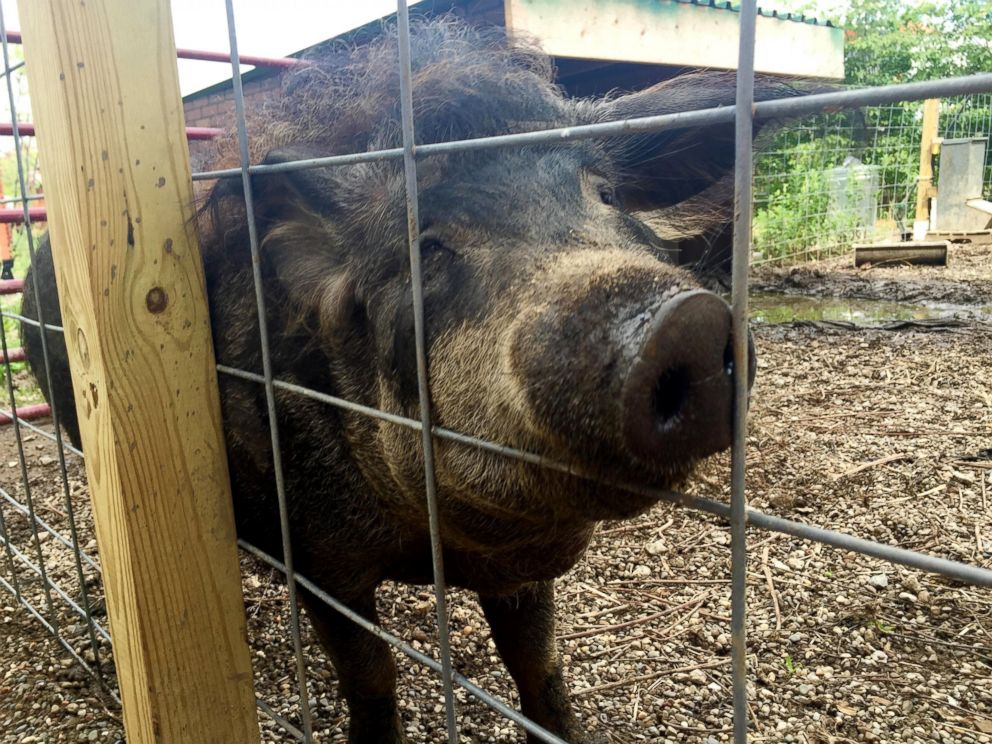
column 764, row 12
column 498, row 11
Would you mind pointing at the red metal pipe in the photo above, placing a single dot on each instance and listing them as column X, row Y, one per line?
column 203, row 133
column 245, row 59
column 37, row 214
column 15, row 355
column 14, row 37
column 28, row 413
column 11, row 286
column 26, row 129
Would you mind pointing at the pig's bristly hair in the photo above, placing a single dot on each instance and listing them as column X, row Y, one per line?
column 467, row 82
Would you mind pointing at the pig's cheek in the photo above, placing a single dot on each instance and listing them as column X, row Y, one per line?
column 399, row 446
column 401, row 453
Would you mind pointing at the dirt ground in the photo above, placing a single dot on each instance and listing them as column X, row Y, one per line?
column 967, row 279
column 883, row 434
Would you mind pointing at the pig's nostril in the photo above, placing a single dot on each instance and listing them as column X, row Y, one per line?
column 677, row 398
column 670, row 395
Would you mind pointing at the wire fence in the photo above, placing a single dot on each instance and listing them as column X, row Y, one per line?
column 833, row 180
column 890, row 142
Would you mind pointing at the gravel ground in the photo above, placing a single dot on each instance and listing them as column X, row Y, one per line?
column 882, row 434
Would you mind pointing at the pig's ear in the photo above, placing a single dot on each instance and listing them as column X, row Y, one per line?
column 297, row 217
column 660, row 169
column 293, row 194
column 297, row 223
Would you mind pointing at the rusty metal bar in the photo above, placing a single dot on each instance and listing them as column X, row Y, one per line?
column 245, row 59
column 26, row 129
column 427, row 440
column 270, row 397
column 14, row 37
column 16, row 216
column 743, row 181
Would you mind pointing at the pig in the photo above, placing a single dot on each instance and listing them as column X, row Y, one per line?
column 556, row 323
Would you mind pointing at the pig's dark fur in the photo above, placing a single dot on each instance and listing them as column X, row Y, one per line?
column 530, row 256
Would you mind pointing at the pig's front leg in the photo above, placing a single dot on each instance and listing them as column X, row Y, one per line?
column 523, row 628
column 365, row 666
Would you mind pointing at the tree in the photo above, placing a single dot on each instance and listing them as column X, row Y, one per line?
column 899, row 41
column 896, row 42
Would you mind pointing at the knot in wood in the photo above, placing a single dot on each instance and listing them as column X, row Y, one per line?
column 156, row 300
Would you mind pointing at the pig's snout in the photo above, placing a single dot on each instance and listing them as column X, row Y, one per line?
column 677, row 398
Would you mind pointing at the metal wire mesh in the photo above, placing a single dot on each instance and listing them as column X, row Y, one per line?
column 887, row 142
column 26, row 592
column 833, row 180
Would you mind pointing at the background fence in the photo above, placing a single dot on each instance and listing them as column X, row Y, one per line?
column 836, row 179
column 804, row 206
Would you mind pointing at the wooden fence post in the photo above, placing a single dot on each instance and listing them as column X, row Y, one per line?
column 924, row 187
column 105, row 96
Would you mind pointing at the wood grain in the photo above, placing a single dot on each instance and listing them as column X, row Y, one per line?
column 105, row 97
column 925, row 189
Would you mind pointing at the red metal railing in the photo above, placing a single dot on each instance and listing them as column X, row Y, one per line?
column 13, row 215
column 14, row 37
column 26, row 129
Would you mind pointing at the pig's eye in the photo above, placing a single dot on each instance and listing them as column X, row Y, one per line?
column 607, row 195
column 430, row 246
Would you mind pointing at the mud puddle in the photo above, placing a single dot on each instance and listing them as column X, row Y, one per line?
column 773, row 307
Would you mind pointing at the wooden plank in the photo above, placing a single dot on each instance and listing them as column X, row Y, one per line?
column 980, row 237
column 105, row 94
column 929, row 253
column 925, row 190
column 665, row 32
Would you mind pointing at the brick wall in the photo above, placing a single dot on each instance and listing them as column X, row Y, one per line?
column 216, row 109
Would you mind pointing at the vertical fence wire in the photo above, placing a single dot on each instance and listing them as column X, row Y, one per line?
column 3, row 339
column 15, row 585
column 743, row 173
column 427, row 436
column 270, row 396
column 59, row 446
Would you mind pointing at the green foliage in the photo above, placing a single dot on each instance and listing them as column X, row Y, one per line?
column 883, row 627
column 809, row 202
column 791, row 666
column 887, row 41
column 890, row 41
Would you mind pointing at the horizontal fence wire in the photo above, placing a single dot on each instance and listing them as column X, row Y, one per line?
column 59, row 591
column 952, row 569
column 466, row 684
column 782, row 108
column 23, row 509
column 11, row 416
column 34, row 612
column 19, row 199
column 879, row 96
